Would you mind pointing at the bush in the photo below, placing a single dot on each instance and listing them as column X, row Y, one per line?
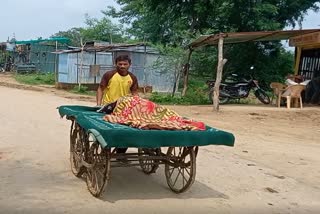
column 197, row 94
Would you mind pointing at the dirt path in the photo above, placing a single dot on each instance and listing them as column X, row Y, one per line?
column 7, row 80
column 273, row 168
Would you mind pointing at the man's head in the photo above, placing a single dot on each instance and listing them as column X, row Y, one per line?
column 123, row 63
column 296, row 78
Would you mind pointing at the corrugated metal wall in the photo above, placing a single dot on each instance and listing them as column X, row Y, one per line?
column 43, row 58
column 162, row 81
column 69, row 69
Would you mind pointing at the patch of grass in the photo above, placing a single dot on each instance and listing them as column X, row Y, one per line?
column 198, row 94
column 36, row 79
column 250, row 100
column 83, row 90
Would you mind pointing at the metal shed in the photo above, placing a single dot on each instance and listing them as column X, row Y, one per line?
column 86, row 66
column 38, row 53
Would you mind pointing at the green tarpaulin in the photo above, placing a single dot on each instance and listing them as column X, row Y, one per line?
column 52, row 39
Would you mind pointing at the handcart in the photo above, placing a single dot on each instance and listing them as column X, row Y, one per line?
column 93, row 142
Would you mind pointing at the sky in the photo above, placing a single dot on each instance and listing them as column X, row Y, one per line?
column 31, row 19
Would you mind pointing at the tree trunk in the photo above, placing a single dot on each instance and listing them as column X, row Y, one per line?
column 221, row 63
column 177, row 72
column 186, row 74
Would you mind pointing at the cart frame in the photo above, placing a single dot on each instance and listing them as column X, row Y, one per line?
column 89, row 159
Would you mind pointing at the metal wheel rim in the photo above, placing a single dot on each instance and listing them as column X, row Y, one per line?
column 262, row 96
column 265, row 98
column 196, row 150
column 148, row 166
column 185, row 174
column 77, row 150
column 98, row 175
column 223, row 100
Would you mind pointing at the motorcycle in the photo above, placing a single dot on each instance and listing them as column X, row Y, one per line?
column 236, row 88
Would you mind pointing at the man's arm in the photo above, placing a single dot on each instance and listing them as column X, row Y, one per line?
column 103, row 84
column 135, row 86
column 99, row 95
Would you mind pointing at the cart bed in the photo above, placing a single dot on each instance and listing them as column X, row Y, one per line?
column 117, row 135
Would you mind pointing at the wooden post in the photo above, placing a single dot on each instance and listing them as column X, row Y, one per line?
column 81, row 65
column 95, row 62
column 297, row 60
column 221, row 63
column 144, row 68
column 186, row 74
column 56, row 65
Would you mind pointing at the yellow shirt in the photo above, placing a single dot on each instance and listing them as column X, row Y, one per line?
column 118, row 86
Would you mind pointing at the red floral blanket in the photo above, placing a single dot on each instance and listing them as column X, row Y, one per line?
column 144, row 114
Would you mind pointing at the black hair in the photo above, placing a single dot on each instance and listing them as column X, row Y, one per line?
column 123, row 58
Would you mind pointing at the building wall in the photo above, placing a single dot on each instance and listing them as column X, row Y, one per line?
column 69, row 69
column 160, row 78
column 42, row 57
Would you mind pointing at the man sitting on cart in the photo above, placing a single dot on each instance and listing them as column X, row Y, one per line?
column 117, row 83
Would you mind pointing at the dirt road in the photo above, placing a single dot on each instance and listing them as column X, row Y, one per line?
column 273, row 168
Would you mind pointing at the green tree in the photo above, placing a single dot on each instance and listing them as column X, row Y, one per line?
column 102, row 30
column 96, row 29
column 74, row 34
column 170, row 21
column 177, row 22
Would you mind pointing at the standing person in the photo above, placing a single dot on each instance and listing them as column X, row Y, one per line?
column 117, row 83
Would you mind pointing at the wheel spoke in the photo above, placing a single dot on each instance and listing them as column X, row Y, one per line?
column 170, row 173
column 184, row 154
column 77, row 157
column 97, row 180
column 188, row 171
column 93, row 178
column 90, row 177
column 101, row 173
column 180, row 152
column 184, row 178
column 187, row 164
column 148, row 166
column 177, row 177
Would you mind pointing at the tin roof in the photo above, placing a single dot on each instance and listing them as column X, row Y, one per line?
column 239, row 37
column 138, row 47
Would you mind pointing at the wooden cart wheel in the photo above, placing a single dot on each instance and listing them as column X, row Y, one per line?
column 77, row 149
column 196, row 150
column 149, row 166
column 180, row 170
column 97, row 175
